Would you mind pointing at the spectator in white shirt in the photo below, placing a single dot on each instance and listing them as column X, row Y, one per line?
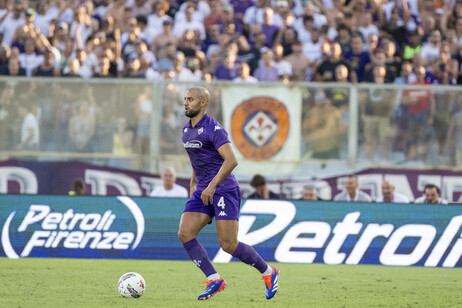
column 189, row 24
column 141, row 8
column 29, row 60
column 430, row 52
column 243, row 70
column 12, row 21
column 432, row 195
column 390, row 196
column 169, row 188
column 45, row 14
column 29, row 129
column 367, row 28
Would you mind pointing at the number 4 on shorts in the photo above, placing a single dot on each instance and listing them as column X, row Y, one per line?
column 221, row 203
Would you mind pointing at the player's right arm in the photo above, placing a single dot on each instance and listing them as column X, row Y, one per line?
column 192, row 184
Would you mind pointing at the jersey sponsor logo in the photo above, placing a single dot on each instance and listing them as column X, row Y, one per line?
column 200, row 131
column 193, row 144
column 222, row 213
column 260, row 127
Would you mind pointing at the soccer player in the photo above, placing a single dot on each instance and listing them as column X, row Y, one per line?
column 214, row 193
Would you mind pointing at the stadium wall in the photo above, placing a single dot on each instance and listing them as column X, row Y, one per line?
column 292, row 232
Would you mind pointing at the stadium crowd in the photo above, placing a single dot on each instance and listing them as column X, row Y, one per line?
column 241, row 40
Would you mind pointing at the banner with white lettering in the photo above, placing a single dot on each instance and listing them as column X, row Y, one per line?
column 264, row 125
column 284, row 231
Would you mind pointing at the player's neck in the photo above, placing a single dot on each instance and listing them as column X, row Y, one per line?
column 197, row 118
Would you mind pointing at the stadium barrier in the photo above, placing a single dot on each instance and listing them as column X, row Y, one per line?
column 292, row 232
column 277, row 129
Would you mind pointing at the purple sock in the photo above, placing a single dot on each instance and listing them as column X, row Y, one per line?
column 199, row 256
column 248, row 255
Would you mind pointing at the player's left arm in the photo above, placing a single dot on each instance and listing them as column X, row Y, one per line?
column 230, row 162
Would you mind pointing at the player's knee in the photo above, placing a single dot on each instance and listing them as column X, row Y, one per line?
column 228, row 246
column 184, row 236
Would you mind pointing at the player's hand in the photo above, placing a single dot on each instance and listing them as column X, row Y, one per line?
column 207, row 195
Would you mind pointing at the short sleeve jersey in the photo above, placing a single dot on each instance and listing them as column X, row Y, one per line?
column 202, row 142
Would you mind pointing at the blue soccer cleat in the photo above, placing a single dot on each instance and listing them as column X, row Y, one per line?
column 213, row 286
column 272, row 283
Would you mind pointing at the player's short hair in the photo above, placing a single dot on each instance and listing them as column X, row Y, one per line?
column 431, row 186
column 257, row 180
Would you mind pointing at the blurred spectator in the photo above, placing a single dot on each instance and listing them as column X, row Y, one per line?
column 283, row 66
column 169, row 188
column 247, row 53
column 299, row 63
column 268, row 27
column 351, row 192
column 379, row 58
column 326, row 70
column 29, row 60
column 82, row 129
column 323, row 128
column 141, row 8
column 181, row 73
column 164, row 39
column 143, row 110
column 395, row 24
column 316, row 50
column 30, row 129
column 413, row 46
column 366, row 27
column 390, row 196
column 104, row 65
column 134, row 68
column 230, row 18
column 7, row 117
column 122, row 144
column 267, row 71
column 189, row 23
column 78, row 188
column 376, row 108
column 243, row 70
column 258, row 182
column 344, row 38
column 147, row 34
column 46, row 69
column 11, row 22
column 309, row 193
column 432, row 195
column 216, row 14
column 73, row 67
column 159, row 15
column 357, row 56
column 228, row 69
column 430, row 51
column 421, row 106
column 287, row 35
column 117, row 12
column 13, row 68
column 254, row 14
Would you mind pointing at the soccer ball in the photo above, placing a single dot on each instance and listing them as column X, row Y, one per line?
column 131, row 285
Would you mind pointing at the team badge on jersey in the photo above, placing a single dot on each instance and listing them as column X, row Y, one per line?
column 200, row 131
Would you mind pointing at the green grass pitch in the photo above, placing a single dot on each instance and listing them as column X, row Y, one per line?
column 93, row 283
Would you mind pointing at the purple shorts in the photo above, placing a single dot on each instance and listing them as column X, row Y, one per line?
column 226, row 204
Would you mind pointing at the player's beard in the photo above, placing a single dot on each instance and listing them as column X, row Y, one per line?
column 192, row 113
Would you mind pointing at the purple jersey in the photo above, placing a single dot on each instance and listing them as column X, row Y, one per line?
column 202, row 142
